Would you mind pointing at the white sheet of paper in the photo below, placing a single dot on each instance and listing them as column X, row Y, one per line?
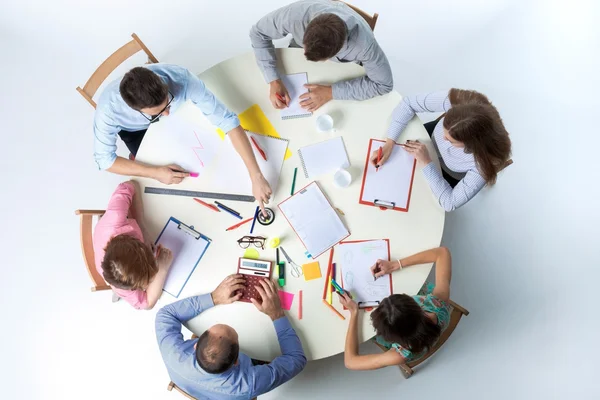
column 294, row 83
column 392, row 182
column 314, row 220
column 356, row 260
column 231, row 175
column 186, row 250
column 324, row 157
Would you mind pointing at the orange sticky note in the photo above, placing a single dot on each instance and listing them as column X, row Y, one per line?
column 311, row 271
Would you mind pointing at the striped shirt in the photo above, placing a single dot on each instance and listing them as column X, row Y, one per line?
column 454, row 160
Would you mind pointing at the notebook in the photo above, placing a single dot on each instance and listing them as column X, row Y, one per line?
column 324, row 157
column 188, row 246
column 232, row 175
column 356, row 259
column 294, row 83
column 391, row 185
column 314, row 220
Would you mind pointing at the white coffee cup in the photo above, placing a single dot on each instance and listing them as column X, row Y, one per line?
column 342, row 178
column 325, row 123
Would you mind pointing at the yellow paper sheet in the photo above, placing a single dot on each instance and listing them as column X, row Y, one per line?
column 311, row 271
column 251, row 253
column 254, row 120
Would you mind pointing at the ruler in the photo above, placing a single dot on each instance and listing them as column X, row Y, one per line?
column 191, row 193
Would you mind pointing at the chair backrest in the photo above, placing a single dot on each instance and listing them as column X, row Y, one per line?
column 110, row 64
column 371, row 19
column 172, row 386
column 455, row 316
column 87, row 247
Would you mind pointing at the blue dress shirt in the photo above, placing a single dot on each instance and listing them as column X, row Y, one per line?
column 113, row 114
column 242, row 381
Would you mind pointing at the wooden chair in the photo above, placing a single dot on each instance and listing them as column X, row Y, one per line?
column 110, row 64
column 180, row 390
column 371, row 19
column 455, row 316
column 87, row 247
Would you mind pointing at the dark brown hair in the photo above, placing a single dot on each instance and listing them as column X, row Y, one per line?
column 142, row 88
column 216, row 354
column 324, row 37
column 474, row 121
column 399, row 319
column 128, row 263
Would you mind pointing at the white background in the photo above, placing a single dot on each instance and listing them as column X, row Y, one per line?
column 525, row 251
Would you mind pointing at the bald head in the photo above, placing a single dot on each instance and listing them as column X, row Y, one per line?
column 217, row 349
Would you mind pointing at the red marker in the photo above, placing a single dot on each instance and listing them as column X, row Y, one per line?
column 238, row 225
column 262, row 153
column 379, row 158
column 207, row 205
column 281, row 98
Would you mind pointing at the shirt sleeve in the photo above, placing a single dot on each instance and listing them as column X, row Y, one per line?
column 410, row 105
column 117, row 209
column 452, row 198
column 271, row 26
column 138, row 299
column 377, row 81
column 283, row 368
column 211, row 107
column 170, row 318
column 105, row 140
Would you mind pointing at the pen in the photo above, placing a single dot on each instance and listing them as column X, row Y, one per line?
column 191, row 174
column 231, row 210
column 376, row 270
column 239, row 224
column 280, row 98
column 254, row 221
column 261, row 151
column 379, row 157
column 294, row 181
column 212, row 207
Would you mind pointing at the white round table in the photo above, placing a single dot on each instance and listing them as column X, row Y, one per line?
column 238, row 83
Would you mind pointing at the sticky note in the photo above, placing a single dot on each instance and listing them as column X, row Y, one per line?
column 311, row 271
column 251, row 253
column 286, row 299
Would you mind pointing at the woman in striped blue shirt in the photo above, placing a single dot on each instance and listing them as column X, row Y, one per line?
column 470, row 139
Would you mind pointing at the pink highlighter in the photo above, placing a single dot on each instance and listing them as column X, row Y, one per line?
column 194, row 174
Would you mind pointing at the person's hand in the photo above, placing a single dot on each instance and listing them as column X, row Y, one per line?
column 386, row 152
column 384, row 267
column 164, row 257
column 277, row 87
column 229, row 290
column 261, row 190
column 347, row 302
column 418, row 150
column 269, row 304
column 170, row 174
column 316, row 97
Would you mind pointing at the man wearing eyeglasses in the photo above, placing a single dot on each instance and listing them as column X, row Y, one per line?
column 128, row 106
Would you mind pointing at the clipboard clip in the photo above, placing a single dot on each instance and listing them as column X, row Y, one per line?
column 190, row 231
column 384, row 205
column 368, row 305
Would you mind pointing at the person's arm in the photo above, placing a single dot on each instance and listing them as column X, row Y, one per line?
column 164, row 259
column 292, row 359
column 410, row 105
column 377, row 81
column 136, row 210
column 452, row 198
column 170, row 318
column 352, row 359
column 443, row 268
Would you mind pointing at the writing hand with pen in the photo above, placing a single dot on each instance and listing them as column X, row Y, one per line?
column 384, row 267
column 170, row 174
column 278, row 94
column 386, row 152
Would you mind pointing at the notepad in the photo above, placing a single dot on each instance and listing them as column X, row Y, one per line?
column 391, row 185
column 311, row 271
column 188, row 246
column 286, row 299
column 323, row 157
column 356, row 260
column 314, row 220
column 294, row 83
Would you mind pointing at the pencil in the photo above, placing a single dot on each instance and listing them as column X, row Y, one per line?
column 334, row 310
column 300, row 304
column 294, row 181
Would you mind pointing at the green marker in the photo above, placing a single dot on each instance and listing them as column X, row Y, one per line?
column 281, row 269
column 294, row 181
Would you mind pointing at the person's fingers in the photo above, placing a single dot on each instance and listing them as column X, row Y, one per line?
column 261, row 291
column 234, row 276
column 266, row 287
column 380, row 273
column 262, row 208
column 239, row 286
column 311, row 86
column 236, row 281
column 237, row 296
column 181, row 174
column 278, row 103
column 287, row 98
column 256, row 304
column 304, row 96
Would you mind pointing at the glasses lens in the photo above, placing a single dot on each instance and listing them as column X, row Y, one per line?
column 243, row 244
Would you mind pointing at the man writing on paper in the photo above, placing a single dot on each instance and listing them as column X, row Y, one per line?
column 326, row 30
column 211, row 367
column 129, row 105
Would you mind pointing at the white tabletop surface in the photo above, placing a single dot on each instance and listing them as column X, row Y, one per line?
column 238, row 83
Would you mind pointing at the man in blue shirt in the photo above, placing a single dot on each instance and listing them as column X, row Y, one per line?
column 211, row 367
column 129, row 105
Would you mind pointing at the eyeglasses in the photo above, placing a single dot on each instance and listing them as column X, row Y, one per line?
column 246, row 241
column 155, row 118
